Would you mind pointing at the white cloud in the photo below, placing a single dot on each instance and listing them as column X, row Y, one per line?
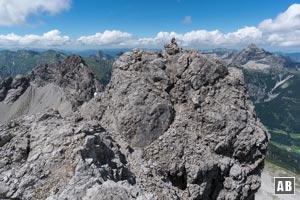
column 200, row 38
column 16, row 12
column 284, row 22
column 285, row 39
column 187, row 20
column 115, row 39
column 118, row 39
column 156, row 41
column 243, row 37
column 284, row 31
column 108, row 38
column 240, row 37
column 49, row 39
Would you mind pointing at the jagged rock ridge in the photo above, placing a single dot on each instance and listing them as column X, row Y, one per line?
column 63, row 86
column 166, row 127
column 72, row 75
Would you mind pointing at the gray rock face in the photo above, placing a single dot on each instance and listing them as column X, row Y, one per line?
column 5, row 83
column 72, row 75
column 166, row 127
column 11, row 89
column 207, row 143
column 63, row 86
column 44, row 155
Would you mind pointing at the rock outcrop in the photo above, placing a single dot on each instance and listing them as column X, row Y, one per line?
column 44, row 154
column 12, row 89
column 63, row 86
column 166, row 127
column 193, row 111
column 72, row 75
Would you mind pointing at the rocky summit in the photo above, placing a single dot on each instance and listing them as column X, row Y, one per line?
column 167, row 126
column 255, row 58
column 63, row 86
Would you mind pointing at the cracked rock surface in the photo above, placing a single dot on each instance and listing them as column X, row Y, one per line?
column 166, row 127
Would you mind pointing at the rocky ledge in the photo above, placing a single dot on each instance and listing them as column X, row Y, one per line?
column 177, row 126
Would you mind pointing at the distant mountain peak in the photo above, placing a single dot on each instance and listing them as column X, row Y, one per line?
column 74, row 61
column 100, row 55
column 252, row 46
column 63, row 86
column 253, row 57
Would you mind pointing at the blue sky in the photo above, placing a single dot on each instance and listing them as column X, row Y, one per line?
column 272, row 24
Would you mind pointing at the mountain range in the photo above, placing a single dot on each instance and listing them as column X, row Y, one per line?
column 21, row 62
column 63, row 136
column 271, row 79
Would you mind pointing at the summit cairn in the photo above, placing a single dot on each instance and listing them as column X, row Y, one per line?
column 172, row 47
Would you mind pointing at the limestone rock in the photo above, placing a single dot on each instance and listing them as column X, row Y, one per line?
column 62, row 86
column 43, row 155
column 166, row 127
column 193, row 120
column 72, row 75
column 12, row 89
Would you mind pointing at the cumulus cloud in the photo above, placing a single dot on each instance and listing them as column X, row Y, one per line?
column 187, row 20
column 116, row 38
column 270, row 32
column 284, row 22
column 50, row 39
column 156, row 41
column 285, row 39
column 108, row 38
column 199, row 38
column 243, row 36
column 284, row 30
column 16, row 12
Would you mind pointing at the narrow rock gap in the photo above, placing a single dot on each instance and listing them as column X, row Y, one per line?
column 217, row 186
column 27, row 147
column 179, row 178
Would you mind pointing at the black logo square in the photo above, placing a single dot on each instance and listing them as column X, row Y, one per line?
column 284, row 185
